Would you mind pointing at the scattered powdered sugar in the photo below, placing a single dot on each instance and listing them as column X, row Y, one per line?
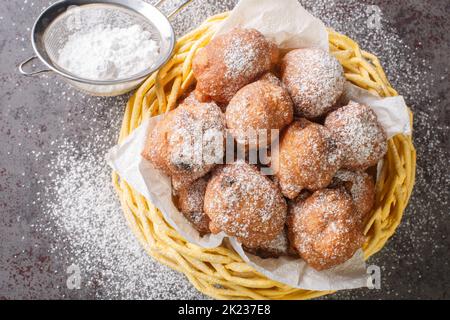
column 411, row 55
column 85, row 215
column 108, row 53
column 404, row 261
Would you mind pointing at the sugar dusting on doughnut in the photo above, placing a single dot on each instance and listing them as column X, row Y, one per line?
column 308, row 158
column 279, row 244
column 197, row 130
column 275, row 248
column 188, row 142
column 315, row 80
column 231, row 61
column 190, row 203
column 245, row 204
column 357, row 129
column 361, row 187
column 257, row 108
column 324, row 228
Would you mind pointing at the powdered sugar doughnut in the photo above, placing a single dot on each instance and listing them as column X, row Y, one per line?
column 308, row 158
column 245, row 204
column 259, row 107
column 275, row 248
column 315, row 80
column 188, row 142
column 231, row 61
column 324, row 228
column 361, row 187
column 190, row 203
column 357, row 129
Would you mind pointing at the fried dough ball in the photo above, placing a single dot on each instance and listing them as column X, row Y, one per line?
column 357, row 129
column 272, row 78
column 276, row 248
column 315, row 80
column 188, row 142
column 243, row 203
column 231, row 61
column 303, row 122
column 190, row 203
column 361, row 187
column 256, row 109
column 324, row 228
column 305, row 194
column 308, row 158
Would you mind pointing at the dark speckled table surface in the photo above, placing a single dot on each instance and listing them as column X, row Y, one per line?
column 48, row 185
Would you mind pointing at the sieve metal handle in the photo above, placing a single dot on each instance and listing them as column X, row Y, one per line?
column 176, row 10
column 32, row 73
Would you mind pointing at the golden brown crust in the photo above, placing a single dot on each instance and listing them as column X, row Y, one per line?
column 308, row 158
column 188, row 142
column 274, row 53
column 200, row 96
column 259, row 107
column 276, row 248
column 231, row 61
column 272, row 78
column 361, row 136
column 190, row 203
column 303, row 122
column 324, row 228
column 361, row 187
column 315, row 80
column 244, row 204
column 155, row 149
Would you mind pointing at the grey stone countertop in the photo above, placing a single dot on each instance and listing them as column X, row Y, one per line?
column 59, row 213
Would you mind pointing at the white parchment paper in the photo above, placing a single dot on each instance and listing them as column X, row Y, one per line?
column 290, row 26
column 285, row 22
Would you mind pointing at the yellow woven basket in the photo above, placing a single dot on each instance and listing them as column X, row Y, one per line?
column 220, row 272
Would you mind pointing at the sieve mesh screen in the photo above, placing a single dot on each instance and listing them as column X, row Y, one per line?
column 82, row 19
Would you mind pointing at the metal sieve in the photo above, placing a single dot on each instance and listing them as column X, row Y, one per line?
column 58, row 22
